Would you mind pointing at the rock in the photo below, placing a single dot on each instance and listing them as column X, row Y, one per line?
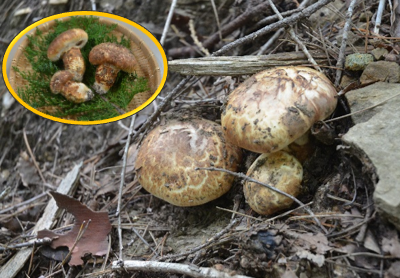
column 374, row 140
column 381, row 71
column 358, row 61
column 379, row 53
column 346, row 81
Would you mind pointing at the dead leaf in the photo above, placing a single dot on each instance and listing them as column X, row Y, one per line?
column 319, row 260
column 391, row 244
column 317, row 243
column 27, row 170
column 94, row 239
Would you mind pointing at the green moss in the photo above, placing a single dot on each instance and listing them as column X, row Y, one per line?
column 37, row 93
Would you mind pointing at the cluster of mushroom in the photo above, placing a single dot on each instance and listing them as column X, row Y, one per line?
column 265, row 114
column 109, row 57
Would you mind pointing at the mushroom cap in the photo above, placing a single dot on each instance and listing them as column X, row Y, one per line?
column 114, row 54
column 273, row 108
column 280, row 170
column 59, row 79
column 169, row 154
column 73, row 38
column 63, row 82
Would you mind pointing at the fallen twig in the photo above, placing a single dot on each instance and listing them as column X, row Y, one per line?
column 210, row 241
column 191, row 270
column 274, row 26
column 295, row 38
column 346, row 29
column 34, row 199
column 168, row 22
column 121, row 186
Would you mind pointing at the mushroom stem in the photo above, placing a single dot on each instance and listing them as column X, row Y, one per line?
column 74, row 62
column 106, row 75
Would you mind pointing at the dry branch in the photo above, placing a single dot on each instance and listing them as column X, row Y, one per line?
column 242, row 65
column 191, row 270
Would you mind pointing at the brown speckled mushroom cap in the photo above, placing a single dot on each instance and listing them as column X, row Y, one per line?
column 73, row 38
column 274, row 107
column 170, row 153
column 280, row 170
column 113, row 54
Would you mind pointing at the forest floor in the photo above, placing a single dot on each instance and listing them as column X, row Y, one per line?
column 222, row 238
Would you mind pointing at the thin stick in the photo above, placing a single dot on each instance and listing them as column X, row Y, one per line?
column 274, row 37
column 168, row 22
column 295, row 38
column 209, row 242
column 346, row 29
column 362, row 110
column 24, row 203
column 37, row 242
column 379, row 13
column 32, row 156
column 274, row 26
column 190, row 270
column 243, row 176
column 82, row 230
column 121, row 186
column 170, row 96
column 216, row 18
column 239, row 213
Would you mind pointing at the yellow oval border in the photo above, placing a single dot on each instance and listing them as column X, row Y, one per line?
column 85, row 13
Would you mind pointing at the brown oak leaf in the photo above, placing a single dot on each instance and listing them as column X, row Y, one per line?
column 94, row 239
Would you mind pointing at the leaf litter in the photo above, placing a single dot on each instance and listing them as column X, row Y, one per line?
column 80, row 241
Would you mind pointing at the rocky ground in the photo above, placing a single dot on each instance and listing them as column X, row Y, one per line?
column 351, row 180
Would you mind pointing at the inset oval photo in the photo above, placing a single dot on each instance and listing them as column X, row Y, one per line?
column 85, row 68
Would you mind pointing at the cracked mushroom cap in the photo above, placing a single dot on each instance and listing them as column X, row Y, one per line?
column 113, row 54
column 73, row 38
column 273, row 108
column 280, row 170
column 63, row 83
column 167, row 159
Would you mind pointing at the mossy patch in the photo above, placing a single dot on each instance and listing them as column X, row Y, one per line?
column 37, row 93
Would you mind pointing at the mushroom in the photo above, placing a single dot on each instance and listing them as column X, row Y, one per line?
column 166, row 162
column 278, row 169
column 67, row 46
column 63, row 83
column 110, row 59
column 275, row 107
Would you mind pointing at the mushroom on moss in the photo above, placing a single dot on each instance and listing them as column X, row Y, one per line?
column 63, row 83
column 67, row 46
column 275, row 107
column 171, row 152
column 110, row 59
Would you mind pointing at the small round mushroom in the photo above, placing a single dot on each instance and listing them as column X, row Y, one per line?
column 110, row 59
column 67, row 45
column 169, row 154
column 274, row 107
column 278, row 169
column 63, row 83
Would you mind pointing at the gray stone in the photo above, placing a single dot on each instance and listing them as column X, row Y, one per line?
column 379, row 53
column 375, row 141
column 381, row 71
